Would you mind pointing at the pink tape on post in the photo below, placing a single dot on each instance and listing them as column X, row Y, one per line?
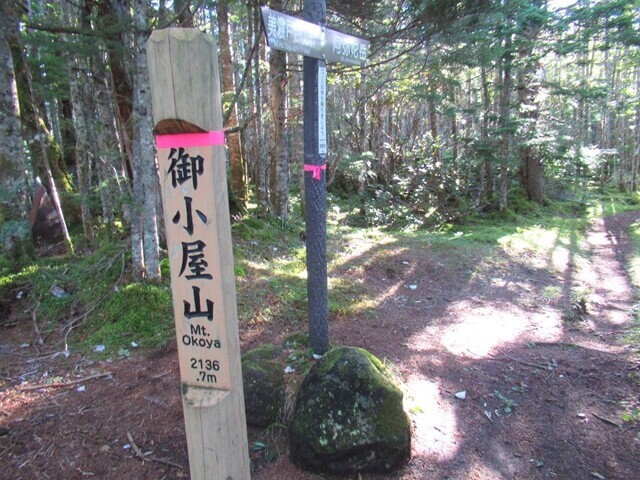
column 315, row 169
column 177, row 140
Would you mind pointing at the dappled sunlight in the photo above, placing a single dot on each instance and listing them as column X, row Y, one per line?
column 357, row 244
column 542, row 239
column 544, row 248
column 435, row 420
column 355, row 249
column 488, row 330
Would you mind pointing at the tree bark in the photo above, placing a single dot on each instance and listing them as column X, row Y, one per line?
column 238, row 167
column 14, row 199
column 484, row 134
column 78, row 80
column 505, row 144
column 109, row 156
column 530, row 163
column 278, row 154
column 38, row 137
column 113, row 16
column 260, row 163
column 295, row 127
column 145, row 182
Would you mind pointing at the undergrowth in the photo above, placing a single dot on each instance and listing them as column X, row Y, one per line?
column 89, row 301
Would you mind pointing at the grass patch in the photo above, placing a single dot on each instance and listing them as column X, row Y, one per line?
column 139, row 313
column 85, row 300
column 611, row 202
column 633, row 267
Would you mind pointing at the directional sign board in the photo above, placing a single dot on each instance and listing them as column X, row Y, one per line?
column 293, row 35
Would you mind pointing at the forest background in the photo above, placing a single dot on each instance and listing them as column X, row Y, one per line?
column 465, row 108
column 469, row 164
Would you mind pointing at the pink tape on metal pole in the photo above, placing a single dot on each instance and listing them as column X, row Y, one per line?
column 315, row 169
column 177, row 140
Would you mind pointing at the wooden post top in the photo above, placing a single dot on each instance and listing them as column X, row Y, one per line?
column 183, row 68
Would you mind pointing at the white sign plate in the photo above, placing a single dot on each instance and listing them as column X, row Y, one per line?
column 322, row 110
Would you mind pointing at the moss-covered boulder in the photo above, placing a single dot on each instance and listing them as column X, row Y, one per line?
column 349, row 416
column 263, row 382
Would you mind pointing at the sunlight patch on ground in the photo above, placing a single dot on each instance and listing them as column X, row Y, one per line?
column 559, row 260
column 435, row 420
column 487, row 330
column 357, row 244
column 541, row 248
column 534, row 238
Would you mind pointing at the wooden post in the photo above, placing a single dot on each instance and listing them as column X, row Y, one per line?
column 187, row 111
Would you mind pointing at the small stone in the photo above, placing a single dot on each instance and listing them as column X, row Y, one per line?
column 461, row 395
column 58, row 292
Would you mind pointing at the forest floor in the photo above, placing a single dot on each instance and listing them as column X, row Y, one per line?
column 536, row 342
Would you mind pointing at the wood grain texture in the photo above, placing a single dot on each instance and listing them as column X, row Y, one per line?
column 183, row 68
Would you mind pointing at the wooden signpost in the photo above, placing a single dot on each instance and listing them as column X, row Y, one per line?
column 187, row 111
column 318, row 45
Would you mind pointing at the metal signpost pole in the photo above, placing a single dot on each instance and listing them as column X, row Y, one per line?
column 319, row 45
column 315, row 183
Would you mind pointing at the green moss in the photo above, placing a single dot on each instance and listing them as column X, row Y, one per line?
column 349, row 415
column 263, row 382
column 140, row 313
column 297, row 339
column 263, row 352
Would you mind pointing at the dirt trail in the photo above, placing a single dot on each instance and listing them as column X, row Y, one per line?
column 534, row 342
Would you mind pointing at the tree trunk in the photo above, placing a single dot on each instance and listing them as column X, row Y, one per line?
column 145, row 182
column 362, row 113
column 635, row 153
column 113, row 15
column 295, row 126
column 108, row 157
column 435, row 145
column 487, row 160
column 260, row 144
column 505, row 124
column 36, row 134
column 77, row 82
column 14, row 199
column 528, row 87
column 278, row 155
column 237, row 164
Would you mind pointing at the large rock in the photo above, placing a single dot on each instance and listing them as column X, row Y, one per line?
column 349, row 416
column 263, row 382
